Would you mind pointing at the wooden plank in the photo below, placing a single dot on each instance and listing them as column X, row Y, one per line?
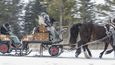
column 63, row 44
column 42, row 28
column 41, row 37
column 37, row 37
column 4, row 37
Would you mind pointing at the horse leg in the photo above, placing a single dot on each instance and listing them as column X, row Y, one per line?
column 85, row 52
column 111, row 43
column 109, row 51
column 101, row 54
column 89, row 52
column 78, row 50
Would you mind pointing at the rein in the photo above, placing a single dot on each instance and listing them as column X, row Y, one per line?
column 93, row 42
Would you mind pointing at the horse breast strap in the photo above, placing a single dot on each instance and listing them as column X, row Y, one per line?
column 108, row 30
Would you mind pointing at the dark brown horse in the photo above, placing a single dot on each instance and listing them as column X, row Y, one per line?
column 88, row 31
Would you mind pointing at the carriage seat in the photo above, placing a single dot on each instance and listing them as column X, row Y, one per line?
column 40, row 34
column 42, row 28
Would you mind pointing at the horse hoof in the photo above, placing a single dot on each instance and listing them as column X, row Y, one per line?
column 91, row 56
column 100, row 56
column 76, row 55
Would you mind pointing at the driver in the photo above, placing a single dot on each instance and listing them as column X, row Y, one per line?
column 49, row 24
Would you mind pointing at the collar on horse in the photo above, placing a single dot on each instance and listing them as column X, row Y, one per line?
column 111, row 29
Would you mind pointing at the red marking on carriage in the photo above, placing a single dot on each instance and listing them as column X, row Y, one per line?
column 3, row 48
column 54, row 50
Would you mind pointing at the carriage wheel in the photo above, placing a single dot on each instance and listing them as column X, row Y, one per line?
column 4, row 48
column 54, row 50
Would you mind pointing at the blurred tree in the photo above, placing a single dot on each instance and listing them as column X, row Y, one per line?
column 63, row 12
column 10, row 12
column 61, row 9
column 107, row 9
column 85, row 10
column 32, row 10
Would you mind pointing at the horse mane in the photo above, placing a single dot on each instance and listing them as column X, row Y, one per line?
column 74, row 30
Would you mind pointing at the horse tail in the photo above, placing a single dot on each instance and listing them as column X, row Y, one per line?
column 74, row 30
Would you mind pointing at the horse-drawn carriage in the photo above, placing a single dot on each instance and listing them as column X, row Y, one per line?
column 43, row 37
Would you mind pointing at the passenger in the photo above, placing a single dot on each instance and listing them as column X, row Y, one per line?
column 48, row 22
column 6, row 30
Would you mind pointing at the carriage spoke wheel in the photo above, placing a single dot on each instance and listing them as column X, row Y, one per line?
column 54, row 50
column 4, row 48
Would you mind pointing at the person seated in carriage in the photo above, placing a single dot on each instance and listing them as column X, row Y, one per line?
column 44, row 19
column 6, row 30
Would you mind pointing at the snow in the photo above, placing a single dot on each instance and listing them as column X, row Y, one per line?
column 66, row 58
column 99, row 1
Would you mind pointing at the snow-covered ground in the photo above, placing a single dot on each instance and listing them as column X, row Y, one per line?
column 66, row 58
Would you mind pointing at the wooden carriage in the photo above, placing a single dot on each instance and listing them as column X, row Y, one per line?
column 43, row 38
column 40, row 36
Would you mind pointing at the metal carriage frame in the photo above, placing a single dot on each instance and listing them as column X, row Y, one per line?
column 7, row 46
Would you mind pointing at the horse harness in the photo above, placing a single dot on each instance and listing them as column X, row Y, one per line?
column 110, row 31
